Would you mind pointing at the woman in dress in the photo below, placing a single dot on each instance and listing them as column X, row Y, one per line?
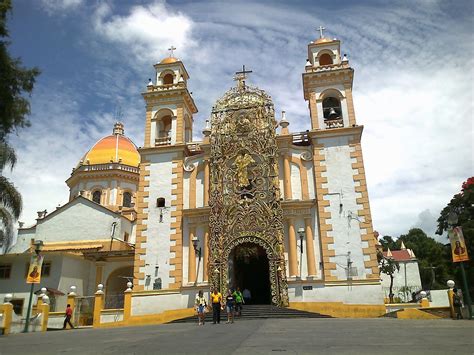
column 201, row 306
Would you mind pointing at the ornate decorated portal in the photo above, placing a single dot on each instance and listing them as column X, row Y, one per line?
column 244, row 189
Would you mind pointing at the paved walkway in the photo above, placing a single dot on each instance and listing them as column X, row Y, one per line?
column 289, row 336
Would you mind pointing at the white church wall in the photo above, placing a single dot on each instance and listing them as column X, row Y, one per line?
column 81, row 220
column 153, row 303
column 200, row 189
column 186, row 193
column 349, row 294
column 296, row 191
column 344, row 219
column 158, row 233
column 75, row 271
column 310, row 174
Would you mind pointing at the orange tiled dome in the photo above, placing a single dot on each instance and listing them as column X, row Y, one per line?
column 169, row 60
column 323, row 40
column 116, row 148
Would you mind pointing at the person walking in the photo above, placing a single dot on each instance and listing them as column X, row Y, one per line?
column 247, row 295
column 216, row 301
column 457, row 303
column 229, row 303
column 239, row 300
column 68, row 314
column 201, row 307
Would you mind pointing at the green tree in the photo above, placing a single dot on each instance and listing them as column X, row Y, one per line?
column 16, row 81
column 388, row 266
column 463, row 205
column 387, row 242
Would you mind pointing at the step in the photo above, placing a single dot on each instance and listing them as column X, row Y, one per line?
column 259, row 312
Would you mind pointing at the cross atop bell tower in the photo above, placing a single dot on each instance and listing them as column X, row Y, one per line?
column 240, row 76
column 321, row 29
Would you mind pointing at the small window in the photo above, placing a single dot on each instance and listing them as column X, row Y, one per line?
column 127, row 199
column 126, row 236
column 45, row 269
column 17, row 305
column 168, row 79
column 157, row 284
column 5, row 271
column 160, row 202
column 96, row 196
column 325, row 59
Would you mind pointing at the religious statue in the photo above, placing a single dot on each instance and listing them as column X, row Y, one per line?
column 242, row 162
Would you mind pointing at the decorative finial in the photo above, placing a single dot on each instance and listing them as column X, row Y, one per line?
column 171, row 49
column 240, row 76
column 321, row 29
column 118, row 128
column 150, row 83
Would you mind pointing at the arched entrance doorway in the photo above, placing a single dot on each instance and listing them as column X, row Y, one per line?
column 116, row 285
column 249, row 268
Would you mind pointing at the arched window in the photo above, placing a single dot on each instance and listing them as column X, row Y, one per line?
column 127, row 199
column 96, row 196
column 168, row 79
column 332, row 108
column 160, row 202
column 325, row 59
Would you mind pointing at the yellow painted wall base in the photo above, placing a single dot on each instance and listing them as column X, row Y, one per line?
column 341, row 310
column 413, row 313
column 159, row 318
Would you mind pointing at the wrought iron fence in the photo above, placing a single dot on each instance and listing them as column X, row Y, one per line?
column 84, row 311
column 114, row 301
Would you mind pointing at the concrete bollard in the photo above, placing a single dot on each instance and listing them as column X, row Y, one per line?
column 127, row 303
column 7, row 309
column 451, row 284
column 44, row 309
column 98, row 305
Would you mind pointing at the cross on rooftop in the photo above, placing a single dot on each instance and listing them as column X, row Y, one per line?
column 240, row 76
column 321, row 29
column 171, row 49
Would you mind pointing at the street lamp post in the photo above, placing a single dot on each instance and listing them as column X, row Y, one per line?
column 38, row 246
column 452, row 221
column 198, row 251
column 301, row 235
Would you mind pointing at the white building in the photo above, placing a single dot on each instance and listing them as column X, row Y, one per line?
column 90, row 239
column 407, row 279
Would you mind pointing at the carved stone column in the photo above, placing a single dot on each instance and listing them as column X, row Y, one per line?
column 310, row 248
column 206, row 254
column 206, row 183
column 293, row 265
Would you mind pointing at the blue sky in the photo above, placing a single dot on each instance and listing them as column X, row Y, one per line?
column 413, row 88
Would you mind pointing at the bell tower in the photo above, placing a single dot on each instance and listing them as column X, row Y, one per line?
column 343, row 211
column 168, row 132
column 327, row 85
column 169, row 104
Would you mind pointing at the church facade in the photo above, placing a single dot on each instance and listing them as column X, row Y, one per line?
column 251, row 205
column 285, row 215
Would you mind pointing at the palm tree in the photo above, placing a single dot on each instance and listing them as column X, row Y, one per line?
column 10, row 198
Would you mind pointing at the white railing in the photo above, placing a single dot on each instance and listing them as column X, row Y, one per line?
column 109, row 166
column 338, row 123
column 162, row 141
column 320, row 68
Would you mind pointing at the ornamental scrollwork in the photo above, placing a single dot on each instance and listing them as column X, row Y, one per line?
column 244, row 188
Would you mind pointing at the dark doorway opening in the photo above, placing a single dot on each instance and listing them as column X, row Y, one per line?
column 250, row 270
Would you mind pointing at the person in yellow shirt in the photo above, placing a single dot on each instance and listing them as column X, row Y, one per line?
column 216, row 301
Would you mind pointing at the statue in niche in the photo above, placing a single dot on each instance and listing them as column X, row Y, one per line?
column 241, row 163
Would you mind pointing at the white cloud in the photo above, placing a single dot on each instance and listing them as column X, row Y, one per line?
column 146, row 32
column 412, row 87
column 60, row 6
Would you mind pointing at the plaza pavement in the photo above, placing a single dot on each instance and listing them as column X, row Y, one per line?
column 266, row 336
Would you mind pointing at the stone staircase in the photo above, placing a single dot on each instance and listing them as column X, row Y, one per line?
column 259, row 311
